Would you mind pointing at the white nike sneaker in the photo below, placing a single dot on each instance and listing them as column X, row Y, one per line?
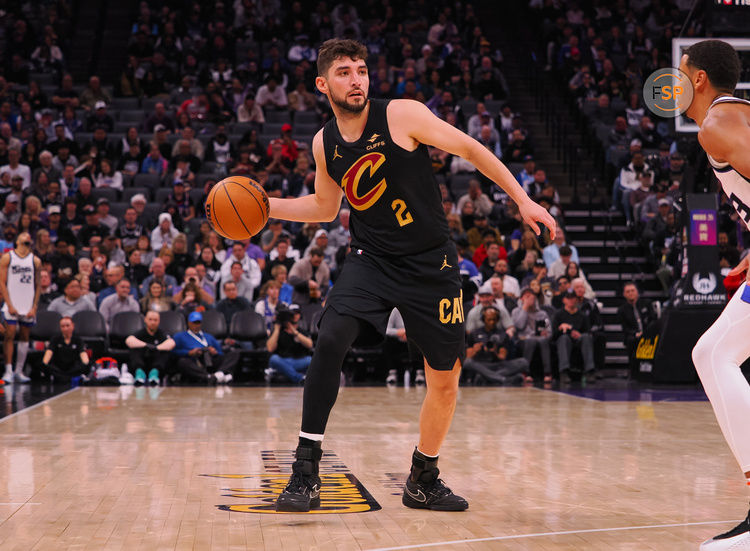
column 220, row 377
column 19, row 377
column 228, row 378
column 737, row 539
column 8, row 377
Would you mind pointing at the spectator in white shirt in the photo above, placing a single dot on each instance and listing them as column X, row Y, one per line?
column 482, row 203
column 164, row 233
column 16, row 168
column 249, row 266
column 108, row 177
column 271, row 95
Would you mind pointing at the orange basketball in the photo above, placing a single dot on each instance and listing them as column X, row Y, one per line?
column 237, row 207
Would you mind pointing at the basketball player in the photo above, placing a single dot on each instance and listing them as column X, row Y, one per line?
column 714, row 68
column 375, row 153
column 21, row 288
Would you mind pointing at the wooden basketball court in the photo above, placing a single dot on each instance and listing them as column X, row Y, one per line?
column 188, row 468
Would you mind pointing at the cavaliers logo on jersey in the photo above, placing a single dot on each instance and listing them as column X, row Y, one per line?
column 370, row 163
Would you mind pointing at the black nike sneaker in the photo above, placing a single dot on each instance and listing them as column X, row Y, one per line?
column 736, row 539
column 425, row 490
column 302, row 492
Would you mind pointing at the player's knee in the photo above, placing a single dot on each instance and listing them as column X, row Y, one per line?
column 702, row 354
column 445, row 384
column 10, row 332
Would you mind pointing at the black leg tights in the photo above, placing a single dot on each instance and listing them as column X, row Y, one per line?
column 337, row 333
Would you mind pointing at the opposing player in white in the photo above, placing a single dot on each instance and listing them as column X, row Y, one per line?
column 20, row 286
column 714, row 69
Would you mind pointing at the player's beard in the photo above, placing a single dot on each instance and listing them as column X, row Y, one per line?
column 349, row 107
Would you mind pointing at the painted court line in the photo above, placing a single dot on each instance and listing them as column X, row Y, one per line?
column 46, row 401
column 547, row 534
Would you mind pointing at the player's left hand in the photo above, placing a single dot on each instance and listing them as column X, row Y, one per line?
column 533, row 213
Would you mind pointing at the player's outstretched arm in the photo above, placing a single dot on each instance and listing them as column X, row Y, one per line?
column 422, row 125
column 321, row 206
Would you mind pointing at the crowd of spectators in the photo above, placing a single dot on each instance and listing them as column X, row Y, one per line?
column 110, row 178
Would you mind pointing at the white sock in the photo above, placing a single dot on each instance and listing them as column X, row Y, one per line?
column 8, row 368
column 309, row 436
column 22, row 349
column 430, row 457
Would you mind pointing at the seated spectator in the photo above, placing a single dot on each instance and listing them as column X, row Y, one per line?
column 511, row 287
column 94, row 94
column 158, row 273
column 489, row 236
column 320, row 241
column 120, row 301
column 164, row 234
column 290, row 348
column 16, row 168
column 562, row 286
column 200, row 356
column 65, row 96
column 487, row 268
column 241, row 280
column 100, row 118
column 482, row 203
column 159, row 116
column 154, row 163
column 551, row 253
column 105, row 218
column 249, row 266
column 65, row 356
column 479, row 119
column 310, row 272
column 630, row 180
column 154, row 299
column 570, row 329
column 138, row 202
column 149, row 348
column 92, row 228
column 486, row 297
column 538, row 274
column 232, row 302
column 559, row 267
column 71, row 302
column 635, row 315
column 108, row 177
column 47, row 289
column 251, row 112
column 268, row 301
column 129, row 231
column 574, row 271
column 526, row 176
column 279, row 274
column 10, row 214
column 534, row 330
column 490, row 139
column 488, row 353
column 271, row 95
column 518, row 148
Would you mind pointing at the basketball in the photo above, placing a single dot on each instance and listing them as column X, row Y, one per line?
column 237, row 207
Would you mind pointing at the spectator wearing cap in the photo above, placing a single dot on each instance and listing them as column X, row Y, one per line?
column 650, row 207
column 551, row 253
column 200, row 358
column 92, row 227
column 10, row 212
column 154, row 163
column 478, row 120
column 570, row 330
column 482, row 203
column 121, row 301
column 301, row 50
column 54, row 225
column 158, row 117
column 94, row 94
column 130, row 230
column 289, row 147
column 72, row 301
column 250, row 111
column 320, row 241
column 164, row 233
column 108, row 177
column 534, row 330
column 102, row 209
column 100, row 118
column 539, row 274
column 15, row 168
column 486, row 296
column 271, row 95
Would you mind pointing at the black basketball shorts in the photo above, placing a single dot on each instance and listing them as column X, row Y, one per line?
column 426, row 289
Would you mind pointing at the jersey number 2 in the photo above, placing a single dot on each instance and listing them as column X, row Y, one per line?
column 26, row 278
column 402, row 215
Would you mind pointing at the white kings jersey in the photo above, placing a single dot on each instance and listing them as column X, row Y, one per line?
column 735, row 185
column 20, row 283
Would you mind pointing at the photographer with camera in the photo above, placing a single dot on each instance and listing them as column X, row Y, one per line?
column 291, row 350
column 200, row 357
column 149, row 347
column 534, row 330
column 489, row 351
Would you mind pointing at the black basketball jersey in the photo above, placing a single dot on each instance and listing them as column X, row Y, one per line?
column 396, row 207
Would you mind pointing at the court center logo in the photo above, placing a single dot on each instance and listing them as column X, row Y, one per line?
column 668, row 92
column 340, row 492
